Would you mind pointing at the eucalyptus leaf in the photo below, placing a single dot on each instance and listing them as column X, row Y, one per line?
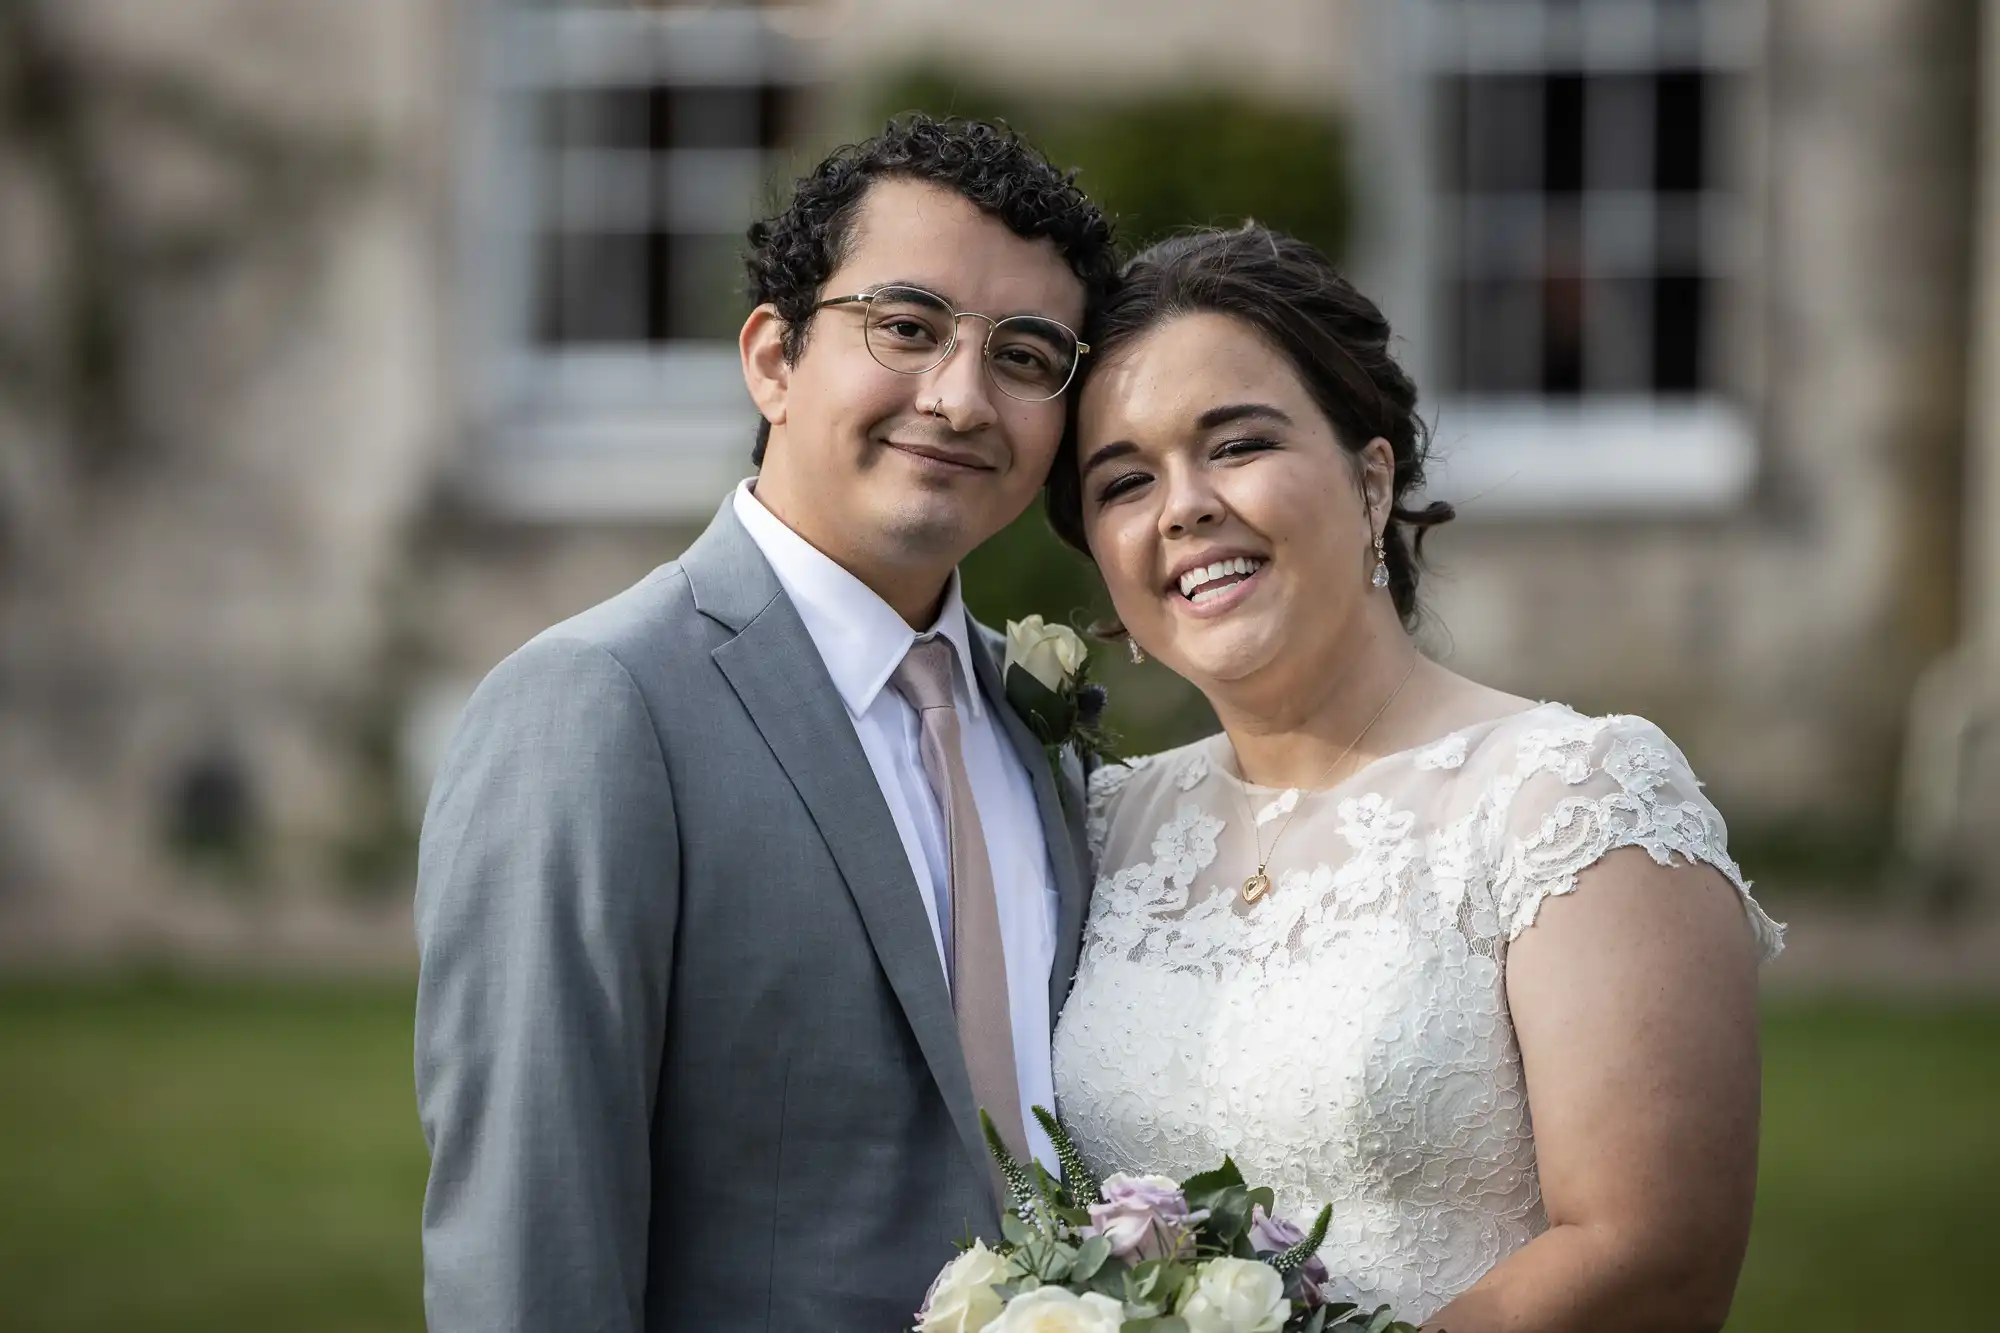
column 1090, row 1257
column 1015, row 1230
column 1147, row 1280
column 1383, row 1318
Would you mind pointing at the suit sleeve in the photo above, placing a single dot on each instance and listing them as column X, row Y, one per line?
column 547, row 890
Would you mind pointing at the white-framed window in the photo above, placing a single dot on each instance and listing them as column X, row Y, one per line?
column 1585, row 239
column 618, row 150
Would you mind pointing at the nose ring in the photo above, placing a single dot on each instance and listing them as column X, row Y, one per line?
column 936, row 409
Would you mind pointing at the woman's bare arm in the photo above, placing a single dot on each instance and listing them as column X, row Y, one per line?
column 1635, row 1002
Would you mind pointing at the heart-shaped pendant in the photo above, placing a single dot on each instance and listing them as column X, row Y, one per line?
column 1256, row 887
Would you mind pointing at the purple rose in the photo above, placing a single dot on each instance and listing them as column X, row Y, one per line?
column 1275, row 1235
column 1144, row 1217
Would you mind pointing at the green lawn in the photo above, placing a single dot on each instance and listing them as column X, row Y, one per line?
column 226, row 1158
column 1880, row 1174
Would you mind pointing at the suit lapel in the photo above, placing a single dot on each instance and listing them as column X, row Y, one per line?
column 783, row 683
column 1062, row 822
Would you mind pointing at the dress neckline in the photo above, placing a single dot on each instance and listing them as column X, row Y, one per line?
column 1222, row 755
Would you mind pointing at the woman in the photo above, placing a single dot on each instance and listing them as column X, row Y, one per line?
column 1389, row 918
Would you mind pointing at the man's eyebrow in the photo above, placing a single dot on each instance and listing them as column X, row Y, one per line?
column 1115, row 450
column 951, row 301
column 907, row 282
column 1224, row 415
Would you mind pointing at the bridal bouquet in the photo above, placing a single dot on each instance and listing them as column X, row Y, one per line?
column 1139, row 1254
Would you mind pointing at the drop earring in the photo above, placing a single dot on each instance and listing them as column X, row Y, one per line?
column 1380, row 578
column 1138, row 653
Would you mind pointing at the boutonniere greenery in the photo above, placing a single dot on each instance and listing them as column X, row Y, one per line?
column 1048, row 683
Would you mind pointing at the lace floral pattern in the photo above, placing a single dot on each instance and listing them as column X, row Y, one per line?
column 1347, row 1040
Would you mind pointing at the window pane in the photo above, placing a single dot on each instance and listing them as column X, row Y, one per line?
column 715, row 118
column 1500, row 337
column 1502, row 133
column 778, row 114
column 597, row 118
column 705, row 291
column 1562, row 334
column 1681, row 132
column 1619, row 133
column 1562, row 133
column 591, row 288
column 1618, row 344
column 1679, row 311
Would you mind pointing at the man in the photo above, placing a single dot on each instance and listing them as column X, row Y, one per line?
column 740, row 893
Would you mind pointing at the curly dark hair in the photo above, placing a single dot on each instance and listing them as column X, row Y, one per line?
column 1336, row 339
column 793, row 253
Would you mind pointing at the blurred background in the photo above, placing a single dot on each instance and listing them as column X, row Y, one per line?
column 344, row 344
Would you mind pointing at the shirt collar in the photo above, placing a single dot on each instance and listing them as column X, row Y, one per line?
column 859, row 636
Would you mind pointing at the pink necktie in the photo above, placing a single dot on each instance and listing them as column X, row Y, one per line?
column 975, row 955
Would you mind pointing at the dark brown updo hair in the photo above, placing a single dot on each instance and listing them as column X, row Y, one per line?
column 1335, row 338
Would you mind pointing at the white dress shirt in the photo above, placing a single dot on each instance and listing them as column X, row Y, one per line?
column 863, row 640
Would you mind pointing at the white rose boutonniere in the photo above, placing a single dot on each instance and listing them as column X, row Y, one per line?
column 1047, row 679
column 1052, row 654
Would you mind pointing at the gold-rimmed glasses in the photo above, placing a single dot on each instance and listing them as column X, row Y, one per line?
column 911, row 331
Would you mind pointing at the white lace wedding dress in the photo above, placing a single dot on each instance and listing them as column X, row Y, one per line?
column 1346, row 1039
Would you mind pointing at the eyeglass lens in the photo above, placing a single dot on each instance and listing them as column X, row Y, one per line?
column 910, row 330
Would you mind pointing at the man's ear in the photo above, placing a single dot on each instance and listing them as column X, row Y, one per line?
column 765, row 371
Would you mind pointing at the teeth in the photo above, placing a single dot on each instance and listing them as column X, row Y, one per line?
column 1198, row 578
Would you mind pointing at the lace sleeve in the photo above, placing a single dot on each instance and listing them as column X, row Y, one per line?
column 1580, row 792
column 1106, row 782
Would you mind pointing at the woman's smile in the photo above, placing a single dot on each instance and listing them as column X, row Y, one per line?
column 1219, row 586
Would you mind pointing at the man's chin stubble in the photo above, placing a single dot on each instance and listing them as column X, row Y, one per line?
column 925, row 531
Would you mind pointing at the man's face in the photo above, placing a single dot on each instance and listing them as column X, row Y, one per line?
column 899, row 475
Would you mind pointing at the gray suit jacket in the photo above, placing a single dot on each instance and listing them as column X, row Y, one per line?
column 685, row 1056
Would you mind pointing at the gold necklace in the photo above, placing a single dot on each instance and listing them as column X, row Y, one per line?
column 1259, row 882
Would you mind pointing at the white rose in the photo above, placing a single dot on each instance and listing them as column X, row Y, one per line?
column 1237, row 1296
column 1060, row 1310
column 1052, row 654
column 962, row 1300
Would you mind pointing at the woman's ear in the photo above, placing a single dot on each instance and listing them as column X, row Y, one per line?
column 1378, row 481
column 766, row 373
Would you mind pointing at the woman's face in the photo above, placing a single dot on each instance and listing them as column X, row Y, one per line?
column 1229, row 522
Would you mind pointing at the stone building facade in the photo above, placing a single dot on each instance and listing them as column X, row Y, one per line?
column 345, row 345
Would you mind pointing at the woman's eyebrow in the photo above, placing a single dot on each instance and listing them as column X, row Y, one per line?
column 1115, row 450
column 1222, row 416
